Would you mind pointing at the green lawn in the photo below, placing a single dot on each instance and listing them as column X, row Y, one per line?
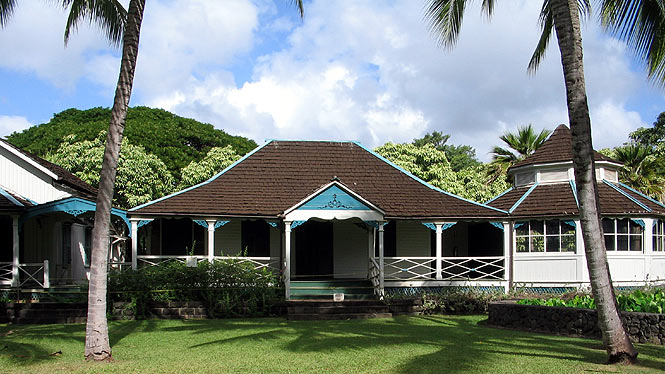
column 428, row 344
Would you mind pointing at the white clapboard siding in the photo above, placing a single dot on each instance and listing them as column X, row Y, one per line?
column 19, row 176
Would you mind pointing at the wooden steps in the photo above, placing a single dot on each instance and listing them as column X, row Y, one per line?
column 43, row 313
column 325, row 289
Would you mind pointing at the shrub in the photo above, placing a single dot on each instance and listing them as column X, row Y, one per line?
column 647, row 301
column 227, row 288
column 453, row 300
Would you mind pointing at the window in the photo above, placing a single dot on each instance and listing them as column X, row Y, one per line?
column 659, row 235
column 622, row 234
column 66, row 243
column 554, row 175
column 87, row 245
column 525, row 178
column 255, row 238
column 545, row 236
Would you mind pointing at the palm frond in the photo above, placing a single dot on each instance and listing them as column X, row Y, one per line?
column 301, row 8
column 641, row 24
column 546, row 22
column 445, row 20
column 109, row 15
column 6, row 11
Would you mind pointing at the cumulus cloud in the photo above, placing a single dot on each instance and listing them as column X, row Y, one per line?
column 10, row 124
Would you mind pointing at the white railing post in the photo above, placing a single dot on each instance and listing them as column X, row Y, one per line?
column 648, row 247
column 211, row 240
column 508, row 255
column 47, row 280
column 287, row 259
column 381, row 260
column 439, row 250
column 370, row 249
column 135, row 243
column 15, row 252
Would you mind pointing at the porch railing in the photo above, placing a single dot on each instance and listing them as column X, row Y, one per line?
column 452, row 268
column 29, row 274
column 158, row 260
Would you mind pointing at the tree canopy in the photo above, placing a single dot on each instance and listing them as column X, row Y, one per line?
column 459, row 156
column 215, row 161
column 141, row 176
column 175, row 140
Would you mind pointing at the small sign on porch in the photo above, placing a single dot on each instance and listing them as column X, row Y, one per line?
column 338, row 297
column 191, row 262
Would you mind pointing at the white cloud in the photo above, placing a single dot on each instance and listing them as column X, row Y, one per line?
column 10, row 124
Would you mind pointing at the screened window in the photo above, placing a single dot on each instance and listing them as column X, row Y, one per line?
column 622, row 234
column 255, row 238
column 545, row 236
column 659, row 236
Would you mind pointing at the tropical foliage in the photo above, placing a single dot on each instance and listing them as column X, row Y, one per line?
column 645, row 301
column 519, row 145
column 459, row 156
column 216, row 160
column 141, row 176
column 175, row 140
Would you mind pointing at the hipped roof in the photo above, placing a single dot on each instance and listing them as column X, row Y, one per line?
column 278, row 175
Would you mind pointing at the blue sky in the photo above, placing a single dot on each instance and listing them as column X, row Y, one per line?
column 357, row 70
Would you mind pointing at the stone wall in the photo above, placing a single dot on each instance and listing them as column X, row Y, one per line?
column 642, row 327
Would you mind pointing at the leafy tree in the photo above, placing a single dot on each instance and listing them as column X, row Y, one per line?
column 176, row 140
column 651, row 137
column 640, row 23
column 459, row 156
column 524, row 143
column 642, row 169
column 142, row 177
column 216, row 160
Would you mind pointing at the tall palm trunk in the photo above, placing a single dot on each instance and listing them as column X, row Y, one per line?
column 567, row 26
column 97, row 345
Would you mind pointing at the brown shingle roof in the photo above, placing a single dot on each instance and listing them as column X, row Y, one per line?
column 8, row 202
column 557, row 148
column 547, row 200
column 282, row 173
column 66, row 178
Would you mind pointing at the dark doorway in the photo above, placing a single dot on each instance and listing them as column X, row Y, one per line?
column 314, row 250
column 6, row 239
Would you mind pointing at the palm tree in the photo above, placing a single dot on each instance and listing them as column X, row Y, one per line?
column 525, row 142
column 641, row 169
column 563, row 16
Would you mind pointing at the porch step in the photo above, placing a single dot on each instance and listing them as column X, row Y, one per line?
column 309, row 310
column 320, row 290
column 44, row 313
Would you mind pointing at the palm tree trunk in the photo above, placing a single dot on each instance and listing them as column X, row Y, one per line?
column 97, row 345
column 567, row 25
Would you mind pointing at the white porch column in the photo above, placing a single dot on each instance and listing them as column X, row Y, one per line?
column 381, row 261
column 439, row 250
column 370, row 248
column 211, row 240
column 508, row 256
column 287, row 259
column 15, row 249
column 581, row 253
column 648, row 247
column 135, row 242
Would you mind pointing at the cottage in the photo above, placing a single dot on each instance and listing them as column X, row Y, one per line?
column 45, row 222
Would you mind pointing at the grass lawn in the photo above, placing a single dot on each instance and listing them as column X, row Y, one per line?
column 427, row 344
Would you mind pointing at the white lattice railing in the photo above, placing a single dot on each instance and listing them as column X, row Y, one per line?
column 409, row 268
column 6, row 273
column 472, row 268
column 119, row 265
column 157, row 260
column 374, row 276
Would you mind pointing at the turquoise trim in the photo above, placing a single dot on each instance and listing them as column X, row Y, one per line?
column 375, row 224
column 624, row 193
column 446, row 226
column 72, row 205
column 574, row 188
column 273, row 224
column 499, row 195
column 143, row 222
column 521, row 199
column 498, row 225
column 570, row 222
column 295, row 224
column 201, row 222
column 430, row 225
column 643, row 195
column 202, row 183
column 219, row 224
column 639, row 222
column 519, row 224
column 423, row 182
column 333, row 198
column 10, row 198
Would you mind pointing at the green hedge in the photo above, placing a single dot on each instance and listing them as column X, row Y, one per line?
column 647, row 301
column 227, row 288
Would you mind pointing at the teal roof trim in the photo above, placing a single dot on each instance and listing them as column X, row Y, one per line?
column 74, row 206
column 243, row 158
column 521, row 199
column 10, row 198
column 624, row 193
column 423, row 182
column 333, row 198
column 574, row 188
column 499, row 195
column 641, row 194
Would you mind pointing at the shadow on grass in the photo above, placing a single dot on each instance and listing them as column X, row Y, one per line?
column 21, row 347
